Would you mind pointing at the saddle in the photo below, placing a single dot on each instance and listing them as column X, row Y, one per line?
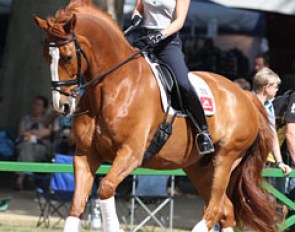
column 168, row 81
column 172, row 101
column 170, row 93
column 166, row 76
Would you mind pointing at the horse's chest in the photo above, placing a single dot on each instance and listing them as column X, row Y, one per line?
column 103, row 141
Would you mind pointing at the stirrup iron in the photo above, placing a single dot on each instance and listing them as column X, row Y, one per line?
column 205, row 146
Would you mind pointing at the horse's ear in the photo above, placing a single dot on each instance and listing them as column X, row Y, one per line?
column 41, row 23
column 69, row 27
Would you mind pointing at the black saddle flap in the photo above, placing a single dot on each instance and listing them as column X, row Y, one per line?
column 169, row 82
column 165, row 75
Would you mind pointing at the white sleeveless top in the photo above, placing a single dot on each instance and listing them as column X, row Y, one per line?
column 158, row 14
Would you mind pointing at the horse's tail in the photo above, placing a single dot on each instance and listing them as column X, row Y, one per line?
column 254, row 206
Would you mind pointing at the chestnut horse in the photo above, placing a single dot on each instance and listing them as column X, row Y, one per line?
column 120, row 111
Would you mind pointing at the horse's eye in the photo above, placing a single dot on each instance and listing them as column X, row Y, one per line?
column 68, row 59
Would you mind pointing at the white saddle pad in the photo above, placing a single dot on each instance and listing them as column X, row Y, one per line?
column 201, row 87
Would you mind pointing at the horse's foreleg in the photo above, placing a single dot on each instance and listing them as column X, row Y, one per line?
column 84, row 170
column 124, row 163
column 122, row 166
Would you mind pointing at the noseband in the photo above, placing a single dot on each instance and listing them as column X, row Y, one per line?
column 80, row 79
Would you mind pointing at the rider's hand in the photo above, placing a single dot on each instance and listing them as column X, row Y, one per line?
column 154, row 38
column 136, row 21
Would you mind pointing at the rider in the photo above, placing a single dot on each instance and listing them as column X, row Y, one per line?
column 162, row 21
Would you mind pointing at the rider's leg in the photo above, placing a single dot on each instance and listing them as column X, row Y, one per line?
column 170, row 52
column 196, row 113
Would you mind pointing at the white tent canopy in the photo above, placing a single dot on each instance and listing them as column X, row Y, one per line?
column 279, row 6
column 202, row 12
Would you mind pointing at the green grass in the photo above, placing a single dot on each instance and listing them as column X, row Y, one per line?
column 5, row 228
column 25, row 229
column 33, row 229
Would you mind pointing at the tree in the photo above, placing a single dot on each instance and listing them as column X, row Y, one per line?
column 25, row 73
column 114, row 8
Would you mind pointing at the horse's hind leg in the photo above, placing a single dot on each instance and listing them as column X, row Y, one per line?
column 214, row 187
column 84, row 168
column 219, row 203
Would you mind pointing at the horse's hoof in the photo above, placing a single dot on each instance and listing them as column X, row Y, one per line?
column 214, row 230
column 201, row 227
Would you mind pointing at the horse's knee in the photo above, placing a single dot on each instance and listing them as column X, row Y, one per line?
column 106, row 189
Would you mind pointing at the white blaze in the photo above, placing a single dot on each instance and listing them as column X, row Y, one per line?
column 72, row 105
column 54, row 53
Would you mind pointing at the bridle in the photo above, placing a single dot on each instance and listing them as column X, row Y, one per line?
column 80, row 80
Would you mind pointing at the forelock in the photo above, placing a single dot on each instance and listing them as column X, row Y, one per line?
column 56, row 24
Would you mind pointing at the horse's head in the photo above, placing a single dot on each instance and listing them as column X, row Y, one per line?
column 82, row 41
column 67, row 60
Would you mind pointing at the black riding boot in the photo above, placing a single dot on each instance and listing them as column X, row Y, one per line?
column 196, row 113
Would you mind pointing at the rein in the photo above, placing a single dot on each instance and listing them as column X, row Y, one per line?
column 102, row 76
column 79, row 80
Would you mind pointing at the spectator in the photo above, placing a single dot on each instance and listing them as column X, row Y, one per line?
column 288, row 148
column 63, row 135
column 266, row 84
column 290, row 138
column 289, row 79
column 33, row 142
column 262, row 60
column 243, row 83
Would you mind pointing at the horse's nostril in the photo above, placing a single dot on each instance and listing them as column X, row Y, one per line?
column 66, row 108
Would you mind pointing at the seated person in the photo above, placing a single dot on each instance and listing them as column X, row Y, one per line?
column 33, row 142
column 63, row 136
column 243, row 83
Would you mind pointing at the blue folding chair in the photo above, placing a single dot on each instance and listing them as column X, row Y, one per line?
column 4, row 203
column 54, row 199
column 150, row 193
